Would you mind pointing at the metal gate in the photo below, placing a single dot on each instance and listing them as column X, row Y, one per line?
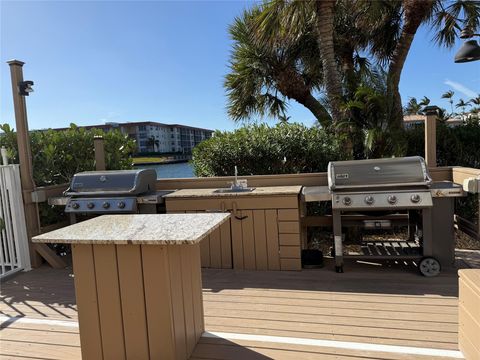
column 14, row 254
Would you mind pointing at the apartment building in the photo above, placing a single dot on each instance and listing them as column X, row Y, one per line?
column 153, row 136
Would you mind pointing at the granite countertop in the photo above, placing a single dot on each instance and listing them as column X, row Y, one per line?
column 154, row 229
column 259, row 191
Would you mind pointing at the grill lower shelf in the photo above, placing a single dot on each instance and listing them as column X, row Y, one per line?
column 388, row 249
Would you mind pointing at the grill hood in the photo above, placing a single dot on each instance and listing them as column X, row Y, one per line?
column 378, row 173
column 114, row 182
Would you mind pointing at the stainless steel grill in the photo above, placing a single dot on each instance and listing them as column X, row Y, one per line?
column 119, row 191
column 376, row 193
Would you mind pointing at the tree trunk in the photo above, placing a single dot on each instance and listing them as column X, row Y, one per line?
column 292, row 85
column 415, row 12
column 333, row 84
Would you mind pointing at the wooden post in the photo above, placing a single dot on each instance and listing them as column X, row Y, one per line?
column 37, row 251
column 99, row 146
column 431, row 113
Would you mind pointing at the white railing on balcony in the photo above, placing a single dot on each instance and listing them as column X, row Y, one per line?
column 14, row 253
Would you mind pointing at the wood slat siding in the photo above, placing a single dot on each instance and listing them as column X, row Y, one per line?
column 469, row 313
column 86, row 294
column 255, row 235
column 123, row 318
column 109, row 306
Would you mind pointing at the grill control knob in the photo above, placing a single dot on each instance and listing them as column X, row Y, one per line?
column 415, row 198
column 347, row 200
column 106, row 205
column 75, row 205
column 369, row 200
column 90, row 205
column 121, row 205
column 392, row 199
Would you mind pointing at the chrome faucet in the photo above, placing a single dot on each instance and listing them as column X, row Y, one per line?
column 235, row 184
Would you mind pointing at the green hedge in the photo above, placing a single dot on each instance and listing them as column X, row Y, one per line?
column 57, row 155
column 458, row 145
column 262, row 149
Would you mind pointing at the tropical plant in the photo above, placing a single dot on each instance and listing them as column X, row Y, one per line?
column 152, row 143
column 449, row 95
column 462, row 104
column 58, row 155
column 261, row 149
column 380, row 30
column 413, row 107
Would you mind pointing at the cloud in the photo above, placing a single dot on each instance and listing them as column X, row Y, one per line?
column 461, row 88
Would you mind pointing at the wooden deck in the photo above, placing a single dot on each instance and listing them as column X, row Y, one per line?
column 262, row 315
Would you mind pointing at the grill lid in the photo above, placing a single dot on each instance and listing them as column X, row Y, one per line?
column 113, row 182
column 378, row 173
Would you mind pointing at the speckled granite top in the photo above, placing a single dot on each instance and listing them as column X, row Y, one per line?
column 155, row 229
column 259, row 191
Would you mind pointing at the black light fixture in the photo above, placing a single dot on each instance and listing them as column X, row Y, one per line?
column 25, row 87
column 470, row 50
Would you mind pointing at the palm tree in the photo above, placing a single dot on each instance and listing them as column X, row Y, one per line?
column 462, row 104
column 264, row 75
column 278, row 16
column 475, row 100
column 413, row 107
column 152, row 142
column 449, row 95
column 424, row 102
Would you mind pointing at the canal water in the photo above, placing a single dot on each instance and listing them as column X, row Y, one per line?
column 166, row 171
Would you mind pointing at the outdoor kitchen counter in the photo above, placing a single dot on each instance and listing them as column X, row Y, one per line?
column 263, row 233
column 259, row 191
column 138, row 283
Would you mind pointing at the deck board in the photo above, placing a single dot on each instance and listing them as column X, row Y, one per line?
column 366, row 304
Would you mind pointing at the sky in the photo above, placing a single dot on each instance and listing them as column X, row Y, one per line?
column 116, row 61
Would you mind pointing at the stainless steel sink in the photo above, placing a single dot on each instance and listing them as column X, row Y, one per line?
column 233, row 190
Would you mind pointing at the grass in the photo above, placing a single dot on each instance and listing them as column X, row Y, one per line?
column 150, row 159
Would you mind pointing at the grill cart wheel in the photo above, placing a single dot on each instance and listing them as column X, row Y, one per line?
column 429, row 267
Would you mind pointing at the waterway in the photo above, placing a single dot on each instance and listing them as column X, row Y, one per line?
column 166, row 171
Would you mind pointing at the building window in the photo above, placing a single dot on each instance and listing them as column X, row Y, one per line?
column 142, row 128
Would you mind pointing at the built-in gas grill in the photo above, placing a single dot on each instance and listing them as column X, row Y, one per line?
column 112, row 192
column 379, row 193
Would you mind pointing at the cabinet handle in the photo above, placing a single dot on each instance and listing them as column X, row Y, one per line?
column 234, row 211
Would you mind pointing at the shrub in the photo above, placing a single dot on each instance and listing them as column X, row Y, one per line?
column 458, row 145
column 262, row 149
column 58, row 155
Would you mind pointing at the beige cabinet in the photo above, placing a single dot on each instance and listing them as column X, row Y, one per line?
column 262, row 234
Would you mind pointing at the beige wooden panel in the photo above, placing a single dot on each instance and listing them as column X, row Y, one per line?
column 271, row 228
column 469, row 298
column 289, row 227
column 288, row 215
column 205, row 252
column 290, row 264
column 226, row 245
column 468, row 349
column 133, row 302
column 177, row 301
column 289, row 239
column 243, row 203
column 215, row 250
column 290, row 252
column 197, row 290
column 248, row 240
column 109, row 306
column 156, row 279
column 186, row 261
column 469, row 327
column 237, row 242
column 86, row 295
column 261, row 256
